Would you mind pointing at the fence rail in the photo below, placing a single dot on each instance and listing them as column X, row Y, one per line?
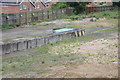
column 24, row 18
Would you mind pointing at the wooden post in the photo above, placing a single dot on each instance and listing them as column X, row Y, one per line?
column 104, row 8
column 31, row 17
column 88, row 10
column 13, row 20
column 26, row 17
column 6, row 19
column 92, row 9
column 48, row 14
column 1, row 21
column 37, row 16
column 20, row 18
column 42, row 15
column 61, row 12
column 56, row 14
column 52, row 15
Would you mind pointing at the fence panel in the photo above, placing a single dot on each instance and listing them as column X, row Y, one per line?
column 50, row 14
column 22, row 18
column 40, row 17
column 45, row 15
column 34, row 16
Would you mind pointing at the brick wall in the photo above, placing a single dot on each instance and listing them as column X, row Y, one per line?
column 16, row 8
column 96, row 5
column 10, row 9
column 41, row 6
column 110, row 3
column 29, row 7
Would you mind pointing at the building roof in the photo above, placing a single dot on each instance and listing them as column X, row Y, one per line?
column 101, row 0
column 18, row 2
column 10, row 1
column 15, row 2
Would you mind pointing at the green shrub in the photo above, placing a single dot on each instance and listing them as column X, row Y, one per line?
column 8, row 26
column 107, row 14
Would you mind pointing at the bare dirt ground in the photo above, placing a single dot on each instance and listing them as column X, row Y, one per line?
column 84, row 71
column 97, row 58
column 45, row 28
column 101, row 61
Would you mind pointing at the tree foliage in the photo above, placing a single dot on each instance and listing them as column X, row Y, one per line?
column 78, row 7
column 116, row 4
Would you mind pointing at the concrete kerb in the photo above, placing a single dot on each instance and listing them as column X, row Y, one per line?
column 39, row 41
column 33, row 43
column 55, row 37
column 14, row 46
column 6, row 48
column 46, row 39
column 22, row 45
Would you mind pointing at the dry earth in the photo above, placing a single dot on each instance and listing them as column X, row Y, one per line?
column 101, row 57
column 101, row 61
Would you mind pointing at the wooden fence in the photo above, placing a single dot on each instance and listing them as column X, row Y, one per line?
column 24, row 18
column 98, row 9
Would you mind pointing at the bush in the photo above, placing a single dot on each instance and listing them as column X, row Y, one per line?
column 8, row 26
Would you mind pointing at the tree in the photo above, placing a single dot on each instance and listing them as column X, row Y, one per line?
column 116, row 4
column 78, row 7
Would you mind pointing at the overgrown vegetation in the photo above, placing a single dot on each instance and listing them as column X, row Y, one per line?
column 78, row 7
column 105, row 14
column 8, row 26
